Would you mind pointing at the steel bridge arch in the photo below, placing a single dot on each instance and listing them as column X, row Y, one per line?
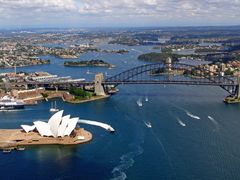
column 127, row 77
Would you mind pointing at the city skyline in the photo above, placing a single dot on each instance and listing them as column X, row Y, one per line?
column 110, row 13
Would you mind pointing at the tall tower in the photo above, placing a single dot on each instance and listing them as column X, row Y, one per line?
column 98, row 88
column 238, row 87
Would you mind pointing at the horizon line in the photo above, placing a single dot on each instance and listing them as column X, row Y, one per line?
column 116, row 27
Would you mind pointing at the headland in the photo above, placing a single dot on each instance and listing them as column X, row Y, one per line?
column 14, row 138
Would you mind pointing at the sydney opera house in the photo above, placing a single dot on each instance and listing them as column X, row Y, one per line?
column 57, row 126
column 58, row 130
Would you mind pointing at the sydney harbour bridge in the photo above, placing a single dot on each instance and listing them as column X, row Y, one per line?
column 157, row 73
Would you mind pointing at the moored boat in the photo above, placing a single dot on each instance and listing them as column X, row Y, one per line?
column 10, row 103
column 54, row 109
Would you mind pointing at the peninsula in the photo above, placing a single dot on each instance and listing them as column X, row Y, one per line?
column 14, row 138
column 59, row 129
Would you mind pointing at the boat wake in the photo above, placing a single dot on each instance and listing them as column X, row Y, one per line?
column 180, row 122
column 192, row 116
column 137, row 51
column 99, row 124
column 214, row 122
column 165, row 153
column 126, row 161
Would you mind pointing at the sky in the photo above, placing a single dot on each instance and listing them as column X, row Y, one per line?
column 117, row 13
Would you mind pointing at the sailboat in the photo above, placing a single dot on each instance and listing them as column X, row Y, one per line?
column 146, row 99
column 54, row 109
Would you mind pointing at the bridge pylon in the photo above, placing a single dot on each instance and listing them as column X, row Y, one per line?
column 98, row 87
column 238, row 88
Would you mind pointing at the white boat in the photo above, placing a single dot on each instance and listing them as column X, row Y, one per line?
column 148, row 124
column 139, row 103
column 7, row 150
column 88, row 72
column 9, row 103
column 146, row 99
column 110, row 129
column 20, row 148
column 54, row 109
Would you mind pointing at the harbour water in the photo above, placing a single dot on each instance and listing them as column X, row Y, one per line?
column 207, row 147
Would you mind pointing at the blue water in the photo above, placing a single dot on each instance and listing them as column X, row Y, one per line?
column 206, row 148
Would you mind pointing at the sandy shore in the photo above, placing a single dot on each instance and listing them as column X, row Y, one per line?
column 12, row 138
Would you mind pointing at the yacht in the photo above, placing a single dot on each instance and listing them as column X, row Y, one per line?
column 9, row 103
column 54, row 109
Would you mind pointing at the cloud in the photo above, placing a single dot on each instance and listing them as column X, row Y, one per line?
column 38, row 4
column 192, row 11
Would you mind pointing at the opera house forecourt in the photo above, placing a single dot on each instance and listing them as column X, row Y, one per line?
column 58, row 130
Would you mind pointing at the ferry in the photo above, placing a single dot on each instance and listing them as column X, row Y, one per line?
column 9, row 103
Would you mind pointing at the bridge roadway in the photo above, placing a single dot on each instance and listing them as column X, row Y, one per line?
column 178, row 82
column 85, row 83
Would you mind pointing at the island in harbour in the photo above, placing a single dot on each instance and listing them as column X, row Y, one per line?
column 120, row 51
column 90, row 63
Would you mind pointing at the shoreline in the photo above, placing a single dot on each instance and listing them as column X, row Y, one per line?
column 88, row 100
column 61, row 94
column 11, row 67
